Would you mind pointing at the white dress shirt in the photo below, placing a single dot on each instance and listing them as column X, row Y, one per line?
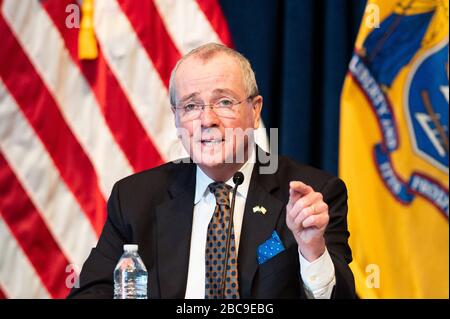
column 318, row 276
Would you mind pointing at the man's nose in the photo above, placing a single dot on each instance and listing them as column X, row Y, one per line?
column 208, row 117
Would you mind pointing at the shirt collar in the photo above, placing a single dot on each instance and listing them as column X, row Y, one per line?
column 203, row 180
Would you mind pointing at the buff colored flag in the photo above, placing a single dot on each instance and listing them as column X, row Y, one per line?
column 394, row 150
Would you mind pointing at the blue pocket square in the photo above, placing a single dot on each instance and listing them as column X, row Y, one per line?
column 270, row 248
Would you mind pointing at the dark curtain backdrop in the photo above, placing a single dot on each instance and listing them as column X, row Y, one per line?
column 300, row 51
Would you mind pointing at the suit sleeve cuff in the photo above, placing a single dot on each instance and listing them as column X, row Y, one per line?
column 318, row 276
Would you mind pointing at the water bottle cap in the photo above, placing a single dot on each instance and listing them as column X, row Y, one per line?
column 130, row 248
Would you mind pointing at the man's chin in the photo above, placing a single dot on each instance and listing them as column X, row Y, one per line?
column 208, row 160
column 208, row 154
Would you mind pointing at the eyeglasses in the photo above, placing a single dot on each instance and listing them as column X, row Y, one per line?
column 223, row 107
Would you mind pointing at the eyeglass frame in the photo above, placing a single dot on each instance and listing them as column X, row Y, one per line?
column 212, row 106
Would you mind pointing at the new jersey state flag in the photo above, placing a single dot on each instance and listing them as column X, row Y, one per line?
column 394, row 150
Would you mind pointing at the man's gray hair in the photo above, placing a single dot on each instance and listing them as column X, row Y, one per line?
column 208, row 51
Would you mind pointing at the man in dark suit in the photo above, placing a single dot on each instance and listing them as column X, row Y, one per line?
column 288, row 236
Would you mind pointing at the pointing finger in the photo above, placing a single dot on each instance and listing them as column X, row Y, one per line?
column 300, row 187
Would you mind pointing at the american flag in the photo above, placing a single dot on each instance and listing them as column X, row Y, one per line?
column 70, row 128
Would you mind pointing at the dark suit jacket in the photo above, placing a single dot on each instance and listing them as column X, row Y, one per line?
column 154, row 209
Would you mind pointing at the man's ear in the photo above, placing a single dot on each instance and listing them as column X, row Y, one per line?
column 257, row 107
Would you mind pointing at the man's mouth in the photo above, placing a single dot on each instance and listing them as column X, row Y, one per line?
column 211, row 141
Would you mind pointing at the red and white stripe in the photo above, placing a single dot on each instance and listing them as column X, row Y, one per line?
column 69, row 129
column 38, row 175
column 133, row 65
column 187, row 34
column 25, row 283
column 68, row 87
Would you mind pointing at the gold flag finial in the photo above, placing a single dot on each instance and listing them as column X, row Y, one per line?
column 87, row 44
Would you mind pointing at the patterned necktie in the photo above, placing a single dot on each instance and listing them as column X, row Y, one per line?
column 215, row 248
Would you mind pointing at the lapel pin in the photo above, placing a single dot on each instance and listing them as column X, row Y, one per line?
column 259, row 209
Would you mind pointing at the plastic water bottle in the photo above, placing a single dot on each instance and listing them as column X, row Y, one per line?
column 130, row 275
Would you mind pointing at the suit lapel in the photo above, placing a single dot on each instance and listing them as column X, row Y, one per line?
column 174, row 225
column 256, row 227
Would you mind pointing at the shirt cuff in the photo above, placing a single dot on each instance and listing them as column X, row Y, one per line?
column 318, row 276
